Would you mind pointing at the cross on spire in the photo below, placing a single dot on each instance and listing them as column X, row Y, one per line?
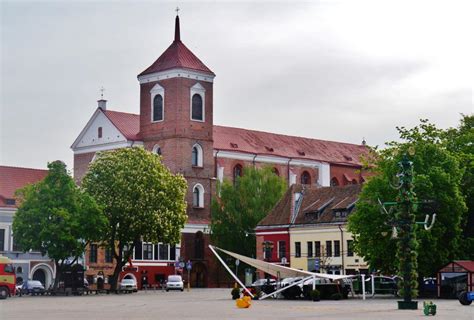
column 102, row 89
column 177, row 10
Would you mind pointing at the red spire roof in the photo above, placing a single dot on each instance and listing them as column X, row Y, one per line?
column 177, row 56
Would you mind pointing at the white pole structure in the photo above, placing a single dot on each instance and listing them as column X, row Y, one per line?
column 363, row 286
column 314, row 282
column 231, row 273
column 373, row 285
column 284, row 288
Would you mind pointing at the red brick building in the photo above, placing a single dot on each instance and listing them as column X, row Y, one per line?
column 176, row 121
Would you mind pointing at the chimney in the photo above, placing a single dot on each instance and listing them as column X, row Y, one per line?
column 102, row 104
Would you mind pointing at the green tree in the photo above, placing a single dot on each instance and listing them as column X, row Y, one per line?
column 460, row 142
column 57, row 218
column 241, row 206
column 142, row 200
column 437, row 177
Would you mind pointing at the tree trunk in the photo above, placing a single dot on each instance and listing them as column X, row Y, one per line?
column 59, row 272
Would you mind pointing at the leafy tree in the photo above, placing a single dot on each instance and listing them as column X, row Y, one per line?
column 57, row 218
column 460, row 142
column 142, row 200
column 437, row 177
column 241, row 206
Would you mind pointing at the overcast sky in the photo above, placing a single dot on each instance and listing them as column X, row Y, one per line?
column 334, row 70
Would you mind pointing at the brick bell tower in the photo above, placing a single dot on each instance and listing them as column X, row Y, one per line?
column 176, row 121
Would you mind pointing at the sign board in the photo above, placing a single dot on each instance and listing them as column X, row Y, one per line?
column 284, row 260
column 316, row 264
column 181, row 264
column 189, row 265
column 237, row 262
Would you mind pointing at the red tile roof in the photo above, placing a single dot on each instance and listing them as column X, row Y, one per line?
column 251, row 141
column 317, row 206
column 466, row 264
column 177, row 56
column 258, row 142
column 13, row 178
column 127, row 123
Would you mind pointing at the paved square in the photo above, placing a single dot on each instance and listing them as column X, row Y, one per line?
column 212, row 304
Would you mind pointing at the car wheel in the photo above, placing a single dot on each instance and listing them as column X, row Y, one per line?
column 3, row 293
column 182, row 290
column 167, row 290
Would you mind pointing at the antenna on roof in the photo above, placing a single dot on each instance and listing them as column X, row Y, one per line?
column 177, row 10
column 102, row 89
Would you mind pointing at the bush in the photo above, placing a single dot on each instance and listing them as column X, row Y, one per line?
column 336, row 296
column 235, row 293
column 315, row 295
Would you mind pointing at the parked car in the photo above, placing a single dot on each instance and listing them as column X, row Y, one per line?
column 383, row 285
column 128, row 285
column 175, row 282
column 293, row 292
column 33, row 287
column 264, row 285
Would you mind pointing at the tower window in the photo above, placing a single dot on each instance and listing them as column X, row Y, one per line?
column 158, row 108
column 305, row 178
column 99, row 132
column 334, row 182
column 198, row 196
column 196, row 157
column 197, row 110
column 237, row 172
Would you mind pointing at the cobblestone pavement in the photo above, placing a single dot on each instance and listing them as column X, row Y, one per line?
column 212, row 304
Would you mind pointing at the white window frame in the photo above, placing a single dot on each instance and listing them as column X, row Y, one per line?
column 155, row 149
column 199, row 155
column 157, row 90
column 200, row 90
column 201, row 195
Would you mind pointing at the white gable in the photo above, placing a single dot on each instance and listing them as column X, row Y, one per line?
column 89, row 137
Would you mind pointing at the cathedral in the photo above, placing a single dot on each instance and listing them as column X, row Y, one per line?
column 175, row 120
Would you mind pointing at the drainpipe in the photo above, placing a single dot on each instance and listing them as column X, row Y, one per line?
column 253, row 160
column 288, row 165
column 215, row 163
column 343, row 271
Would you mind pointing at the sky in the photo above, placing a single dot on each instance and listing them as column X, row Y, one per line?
column 332, row 70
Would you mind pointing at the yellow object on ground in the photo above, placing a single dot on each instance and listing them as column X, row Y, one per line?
column 243, row 302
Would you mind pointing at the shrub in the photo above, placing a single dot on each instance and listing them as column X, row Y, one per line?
column 315, row 295
column 235, row 293
column 336, row 296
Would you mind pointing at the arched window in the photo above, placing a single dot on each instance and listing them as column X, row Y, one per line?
column 196, row 157
column 334, row 182
column 158, row 108
column 305, row 178
column 198, row 196
column 197, row 110
column 275, row 171
column 237, row 172
column 99, row 132
column 156, row 149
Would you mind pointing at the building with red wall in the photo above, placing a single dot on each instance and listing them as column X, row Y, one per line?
column 176, row 121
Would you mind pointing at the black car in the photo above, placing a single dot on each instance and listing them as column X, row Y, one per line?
column 33, row 287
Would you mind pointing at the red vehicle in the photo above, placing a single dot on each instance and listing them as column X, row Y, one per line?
column 7, row 278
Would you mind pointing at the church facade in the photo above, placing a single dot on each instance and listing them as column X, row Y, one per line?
column 176, row 121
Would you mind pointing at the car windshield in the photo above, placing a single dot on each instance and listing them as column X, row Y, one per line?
column 174, row 279
column 35, row 284
column 128, row 281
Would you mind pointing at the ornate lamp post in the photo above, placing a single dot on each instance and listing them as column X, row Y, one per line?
column 404, row 226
